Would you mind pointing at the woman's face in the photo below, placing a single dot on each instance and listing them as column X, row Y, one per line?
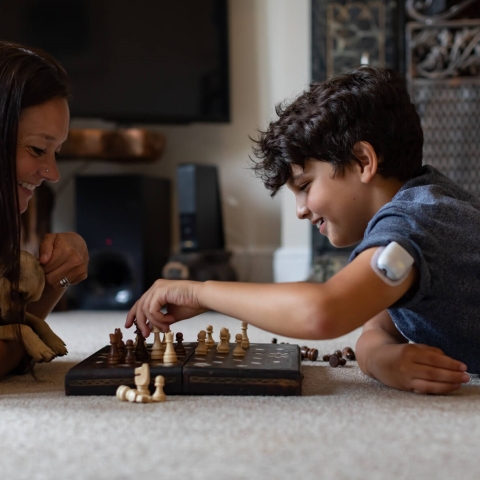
column 41, row 131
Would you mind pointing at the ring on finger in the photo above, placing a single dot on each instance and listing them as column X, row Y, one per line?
column 64, row 283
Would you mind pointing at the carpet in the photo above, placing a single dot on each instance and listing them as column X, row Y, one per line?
column 344, row 426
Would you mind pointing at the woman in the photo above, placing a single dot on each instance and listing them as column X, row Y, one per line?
column 34, row 119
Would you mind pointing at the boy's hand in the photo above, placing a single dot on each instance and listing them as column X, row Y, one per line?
column 417, row 368
column 180, row 298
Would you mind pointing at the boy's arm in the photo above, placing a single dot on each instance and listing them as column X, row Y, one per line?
column 383, row 353
column 301, row 310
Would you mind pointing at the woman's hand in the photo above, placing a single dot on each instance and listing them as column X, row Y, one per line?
column 179, row 297
column 63, row 255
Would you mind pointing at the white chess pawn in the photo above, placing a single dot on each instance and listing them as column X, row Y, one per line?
column 223, row 346
column 157, row 350
column 210, row 342
column 245, row 340
column 121, row 393
column 238, row 351
column 202, row 348
column 159, row 394
column 170, row 356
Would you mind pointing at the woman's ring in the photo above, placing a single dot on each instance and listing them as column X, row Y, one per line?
column 64, row 283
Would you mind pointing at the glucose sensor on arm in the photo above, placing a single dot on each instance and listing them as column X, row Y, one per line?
column 392, row 263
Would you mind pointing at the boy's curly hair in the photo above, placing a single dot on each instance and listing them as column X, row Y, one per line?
column 366, row 104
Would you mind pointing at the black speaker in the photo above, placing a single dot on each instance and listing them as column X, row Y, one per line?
column 126, row 223
column 200, row 211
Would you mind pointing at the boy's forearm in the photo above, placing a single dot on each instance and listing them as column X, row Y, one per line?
column 289, row 309
column 377, row 334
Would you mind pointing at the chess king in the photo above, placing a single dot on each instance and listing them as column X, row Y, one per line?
column 40, row 342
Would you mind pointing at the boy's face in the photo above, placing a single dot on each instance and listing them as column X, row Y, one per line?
column 339, row 206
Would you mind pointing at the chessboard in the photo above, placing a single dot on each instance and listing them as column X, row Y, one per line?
column 265, row 369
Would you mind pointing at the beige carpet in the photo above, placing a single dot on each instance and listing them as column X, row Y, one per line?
column 344, row 426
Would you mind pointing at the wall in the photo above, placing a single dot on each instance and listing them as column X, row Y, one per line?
column 270, row 61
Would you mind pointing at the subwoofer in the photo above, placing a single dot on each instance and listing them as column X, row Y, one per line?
column 126, row 223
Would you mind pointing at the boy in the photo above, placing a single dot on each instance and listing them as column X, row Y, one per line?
column 350, row 149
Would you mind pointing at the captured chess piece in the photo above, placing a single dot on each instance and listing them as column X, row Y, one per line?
column 179, row 348
column 210, row 342
column 223, row 346
column 159, row 394
column 157, row 351
column 238, row 351
column 169, row 356
column 245, row 340
column 348, row 353
column 202, row 348
column 113, row 356
column 309, row 353
column 335, row 360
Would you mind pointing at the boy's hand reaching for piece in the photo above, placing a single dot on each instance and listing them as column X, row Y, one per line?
column 179, row 297
column 417, row 368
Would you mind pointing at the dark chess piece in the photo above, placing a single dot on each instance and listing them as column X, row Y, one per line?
column 141, row 352
column 348, row 353
column 179, row 348
column 309, row 353
column 130, row 355
column 113, row 356
column 120, row 344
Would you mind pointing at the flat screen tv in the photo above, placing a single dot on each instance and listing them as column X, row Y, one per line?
column 132, row 61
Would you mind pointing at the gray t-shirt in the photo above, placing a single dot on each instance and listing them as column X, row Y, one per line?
column 438, row 223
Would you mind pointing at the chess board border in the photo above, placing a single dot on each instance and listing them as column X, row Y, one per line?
column 191, row 375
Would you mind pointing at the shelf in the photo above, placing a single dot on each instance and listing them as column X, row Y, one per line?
column 122, row 144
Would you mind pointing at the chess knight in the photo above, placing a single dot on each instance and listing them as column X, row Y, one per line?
column 40, row 342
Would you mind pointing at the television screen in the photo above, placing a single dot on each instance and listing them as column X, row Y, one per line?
column 152, row 61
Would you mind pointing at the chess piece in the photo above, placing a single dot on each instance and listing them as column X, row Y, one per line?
column 238, row 351
column 348, row 353
column 113, row 356
column 309, row 353
column 179, row 348
column 141, row 352
column 121, row 393
column 202, row 348
column 169, row 356
column 159, row 394
column 130, row 355
column 142, row 379
column 120, row 344
column 210, row 342
column 228, row 335
column 223, row 346
column 245, row 340
column 157, row 350
column 164, row 342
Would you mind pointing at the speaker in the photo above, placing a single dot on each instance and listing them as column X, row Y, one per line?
column 126, row 223
column 200, row 212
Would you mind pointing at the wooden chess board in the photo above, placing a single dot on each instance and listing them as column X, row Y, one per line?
column 266, row 369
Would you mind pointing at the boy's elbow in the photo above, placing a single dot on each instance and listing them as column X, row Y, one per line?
column 322, row 322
